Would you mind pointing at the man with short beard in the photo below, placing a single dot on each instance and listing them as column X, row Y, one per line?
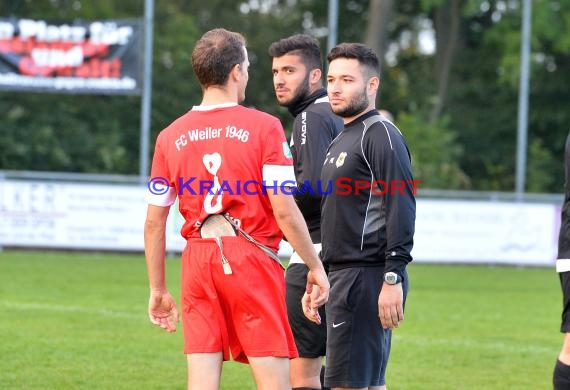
column 297, row 78
column 367, row 223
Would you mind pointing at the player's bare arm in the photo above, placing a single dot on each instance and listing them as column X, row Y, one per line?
column 292, row 224
column 162, row 309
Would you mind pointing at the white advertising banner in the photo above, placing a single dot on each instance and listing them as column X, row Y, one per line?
column 71, row 216
column 485, row 232
column 111, row 217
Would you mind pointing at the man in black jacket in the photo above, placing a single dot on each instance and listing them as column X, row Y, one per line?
column 297, row 78
column 368, row 221
column 561, row 377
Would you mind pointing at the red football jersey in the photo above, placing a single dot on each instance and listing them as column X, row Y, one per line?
column 223, row 159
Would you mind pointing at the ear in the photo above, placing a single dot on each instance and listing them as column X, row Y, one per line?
column 315, row 76
column 373, row 84
column 235, row 73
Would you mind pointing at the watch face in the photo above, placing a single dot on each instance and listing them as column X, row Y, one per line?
column 391, row 278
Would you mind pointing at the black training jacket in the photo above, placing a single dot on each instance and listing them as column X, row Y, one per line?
column 360, row 226
column 564, row 235
column 314, row 128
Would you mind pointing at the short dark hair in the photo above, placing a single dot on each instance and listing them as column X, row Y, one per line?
column 362, row 53
column 215, row 54
column 305, row 46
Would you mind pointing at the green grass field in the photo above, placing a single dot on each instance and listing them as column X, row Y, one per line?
column 78, row 321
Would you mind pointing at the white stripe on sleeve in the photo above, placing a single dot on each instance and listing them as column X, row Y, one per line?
column 562, row 265
column 164, row 200
column 278, row 175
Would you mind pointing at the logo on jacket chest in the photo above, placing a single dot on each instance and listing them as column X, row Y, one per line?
column 338, row 161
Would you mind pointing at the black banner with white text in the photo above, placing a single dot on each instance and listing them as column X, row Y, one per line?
column 100, row 57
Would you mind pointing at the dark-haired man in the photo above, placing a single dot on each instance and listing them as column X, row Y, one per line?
column 367, row 229
column 561, row 376
column 297, row 79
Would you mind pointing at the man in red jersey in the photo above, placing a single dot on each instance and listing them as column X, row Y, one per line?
column 223, row 158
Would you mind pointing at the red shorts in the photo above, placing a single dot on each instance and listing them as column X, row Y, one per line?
column 244, row 312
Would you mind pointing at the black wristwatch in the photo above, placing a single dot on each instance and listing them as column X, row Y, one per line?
column 392, row 278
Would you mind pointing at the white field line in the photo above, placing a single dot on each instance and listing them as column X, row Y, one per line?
column 26, row 306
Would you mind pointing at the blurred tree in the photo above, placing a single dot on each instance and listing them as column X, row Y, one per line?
column 484, row 97
column 454, row 94
column 379, row 15
column 435, row 152
column 474, row 83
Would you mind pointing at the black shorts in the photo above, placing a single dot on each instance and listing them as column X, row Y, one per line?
column 357, row 347
column 565, row 283
column 310, row 338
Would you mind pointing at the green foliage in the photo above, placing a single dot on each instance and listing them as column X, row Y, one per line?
column 435, row 152
column 478, row 122
column 428, row 5
column 483, row 112
column 48, row 132
column 175, row 88
column 540, row 161
column 500, row 46
column 548, row 121
column 551, row 26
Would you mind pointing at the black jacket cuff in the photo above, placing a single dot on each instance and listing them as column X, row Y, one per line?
column 396, row 265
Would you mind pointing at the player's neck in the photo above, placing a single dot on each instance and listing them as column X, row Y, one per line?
column 218, row 95
column 350, row 119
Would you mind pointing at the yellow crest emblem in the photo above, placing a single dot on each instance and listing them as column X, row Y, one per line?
column 340, row 159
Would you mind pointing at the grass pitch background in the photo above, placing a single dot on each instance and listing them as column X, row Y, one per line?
column 78, row 321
